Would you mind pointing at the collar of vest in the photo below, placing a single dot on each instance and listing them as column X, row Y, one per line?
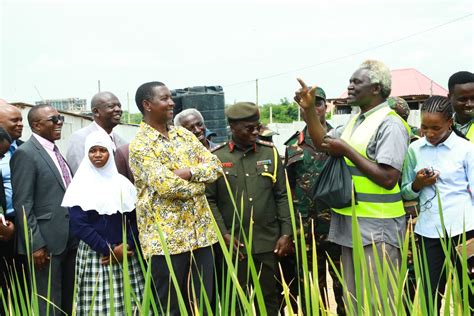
column 470, row 132
column 359, row 137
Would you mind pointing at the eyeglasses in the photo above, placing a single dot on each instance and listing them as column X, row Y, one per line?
column 55, row 118
column 252, row 128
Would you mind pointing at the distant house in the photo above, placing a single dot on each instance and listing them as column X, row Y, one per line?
column 409, row 84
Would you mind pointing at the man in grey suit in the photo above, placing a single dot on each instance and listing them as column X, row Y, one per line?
column 107, row 112
column 40, row 177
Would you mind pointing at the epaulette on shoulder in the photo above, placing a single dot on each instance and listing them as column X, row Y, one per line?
column 292, row 137
column 265, row 143
column 218, row 147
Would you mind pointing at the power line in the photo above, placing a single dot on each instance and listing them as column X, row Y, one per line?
column 352, row 54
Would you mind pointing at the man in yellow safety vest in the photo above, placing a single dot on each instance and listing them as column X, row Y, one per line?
column 373, row 144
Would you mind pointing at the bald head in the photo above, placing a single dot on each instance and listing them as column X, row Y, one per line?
column 101, row 97
column 11, row 119
column 107, row 110
column 3, row 102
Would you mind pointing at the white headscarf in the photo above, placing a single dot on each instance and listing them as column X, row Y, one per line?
column 101, row 189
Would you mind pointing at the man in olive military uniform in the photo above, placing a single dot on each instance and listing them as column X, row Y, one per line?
column 303, row 164
column 256, row 177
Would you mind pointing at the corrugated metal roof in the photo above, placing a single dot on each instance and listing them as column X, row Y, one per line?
column 410, row 81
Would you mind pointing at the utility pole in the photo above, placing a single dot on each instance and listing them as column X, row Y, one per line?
column 128, row 108
column 271, row 114
column 98, row 85
column 256, row 92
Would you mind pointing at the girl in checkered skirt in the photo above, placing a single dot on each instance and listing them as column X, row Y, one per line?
column 102, row 205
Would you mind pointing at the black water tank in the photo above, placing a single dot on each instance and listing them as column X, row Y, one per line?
column 209, row 100
column 177, row 94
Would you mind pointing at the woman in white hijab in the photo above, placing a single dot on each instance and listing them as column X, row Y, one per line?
column 101, row 203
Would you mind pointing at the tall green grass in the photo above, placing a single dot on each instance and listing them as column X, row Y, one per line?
column 247, row 298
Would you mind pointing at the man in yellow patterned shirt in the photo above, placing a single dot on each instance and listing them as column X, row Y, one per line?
column 171, row 168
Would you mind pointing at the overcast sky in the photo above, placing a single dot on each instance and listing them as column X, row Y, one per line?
column 64, row 47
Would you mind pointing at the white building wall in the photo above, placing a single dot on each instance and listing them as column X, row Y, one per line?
column 286, row 130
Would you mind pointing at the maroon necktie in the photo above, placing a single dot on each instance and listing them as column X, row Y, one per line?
column 63, row 166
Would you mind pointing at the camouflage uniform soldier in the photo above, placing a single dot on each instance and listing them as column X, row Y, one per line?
column 401, row 107
column 266, row 133
column 304, row 164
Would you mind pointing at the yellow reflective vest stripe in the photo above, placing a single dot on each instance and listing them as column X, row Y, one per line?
column 372, row 200
column 470, row 133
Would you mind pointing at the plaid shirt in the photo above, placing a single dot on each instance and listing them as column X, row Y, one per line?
column 165, row 201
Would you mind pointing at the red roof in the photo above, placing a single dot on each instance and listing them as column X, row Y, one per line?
column 410, row 81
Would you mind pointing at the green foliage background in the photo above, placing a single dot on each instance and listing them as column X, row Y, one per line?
column 284, row 112
column 135, row 118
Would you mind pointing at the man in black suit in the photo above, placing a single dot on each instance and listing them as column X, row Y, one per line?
column 12, row 123
column 40, row 176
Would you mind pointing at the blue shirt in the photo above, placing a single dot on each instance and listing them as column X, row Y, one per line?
column 454, row 160
column 102, row 231
column 7, row 182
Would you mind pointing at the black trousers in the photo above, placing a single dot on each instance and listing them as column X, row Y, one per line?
column 62, row 279
column 435, row 258
column 266, row 266
column 199, row 264
column 220, row 269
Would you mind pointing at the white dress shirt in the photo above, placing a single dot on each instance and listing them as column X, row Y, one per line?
column 454, row 160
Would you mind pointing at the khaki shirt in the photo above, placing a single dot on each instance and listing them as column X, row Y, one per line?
column 260, row 201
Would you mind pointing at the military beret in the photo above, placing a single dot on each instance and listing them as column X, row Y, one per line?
column 320, row 93
column 404, row 108
column 393, row 102
column 242, row 111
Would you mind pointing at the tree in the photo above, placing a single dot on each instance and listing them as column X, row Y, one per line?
column 285, row 112
column 135, row 118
